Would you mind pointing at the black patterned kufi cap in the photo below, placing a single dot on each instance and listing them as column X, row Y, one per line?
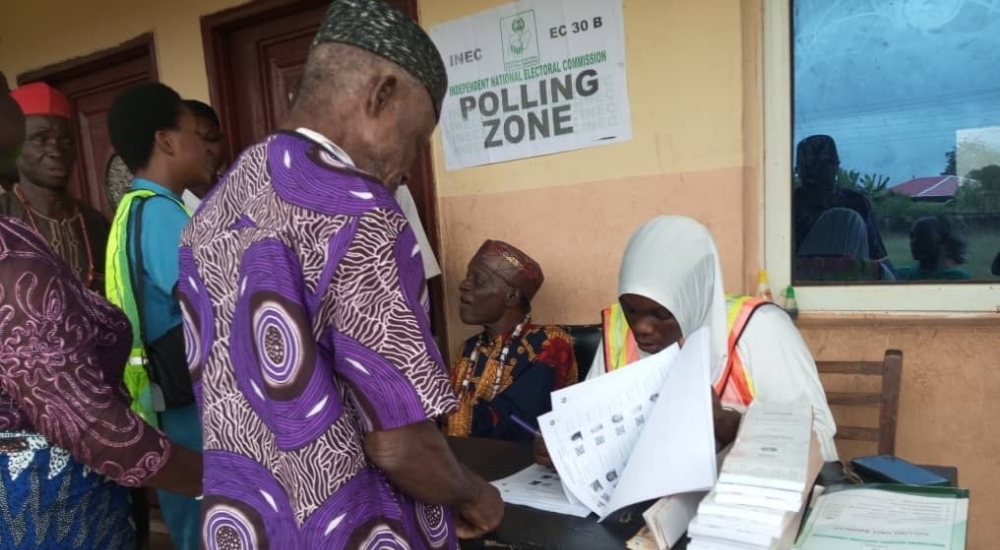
column 383, row 30
column 815, row 153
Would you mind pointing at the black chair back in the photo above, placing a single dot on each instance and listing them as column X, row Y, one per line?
column 586, row 339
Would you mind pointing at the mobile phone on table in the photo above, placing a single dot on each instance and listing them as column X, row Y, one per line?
column 891, row 469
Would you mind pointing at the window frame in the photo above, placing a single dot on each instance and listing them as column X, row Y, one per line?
column 899, row 298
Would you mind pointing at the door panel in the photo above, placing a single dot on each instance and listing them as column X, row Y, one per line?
column 262, row 57
column 91, row 98
column 285, row 64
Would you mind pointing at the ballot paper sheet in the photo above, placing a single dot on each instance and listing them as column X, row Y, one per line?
column 539, row 487
column 637, row 433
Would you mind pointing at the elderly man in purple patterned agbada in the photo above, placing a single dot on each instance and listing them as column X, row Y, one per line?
column 308, row 341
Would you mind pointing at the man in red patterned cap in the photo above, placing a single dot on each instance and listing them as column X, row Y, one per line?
column 40, row 198
column 505, row 374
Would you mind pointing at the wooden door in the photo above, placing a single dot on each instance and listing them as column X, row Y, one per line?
column 91, row 83
column 255, row 54
column 263, row 62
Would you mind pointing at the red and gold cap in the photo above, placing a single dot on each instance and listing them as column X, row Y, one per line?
column 511, row 265
column 38, row 98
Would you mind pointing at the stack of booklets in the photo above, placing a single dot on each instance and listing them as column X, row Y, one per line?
column 764, row 483
column 887, row 516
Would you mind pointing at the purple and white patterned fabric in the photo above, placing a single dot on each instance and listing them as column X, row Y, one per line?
column 302, row 287
column 62, row 353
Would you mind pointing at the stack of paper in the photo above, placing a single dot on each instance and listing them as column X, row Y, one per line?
column 638, row 433
column 758, row 501
column 887, row 516
column 539, row 487
column 667, row 519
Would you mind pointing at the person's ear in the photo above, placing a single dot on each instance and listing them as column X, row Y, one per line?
column 384, row 90
column 164, row 141
column 513, row 297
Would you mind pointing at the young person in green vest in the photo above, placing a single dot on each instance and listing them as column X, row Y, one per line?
column 157, row 137
column 669, row 286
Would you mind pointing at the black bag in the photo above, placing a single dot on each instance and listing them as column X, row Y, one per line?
column 166, row 362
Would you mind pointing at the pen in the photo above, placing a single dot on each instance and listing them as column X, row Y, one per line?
column 527, row 427
column 513, row 418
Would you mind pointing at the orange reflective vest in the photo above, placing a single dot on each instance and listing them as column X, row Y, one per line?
column 734, row 385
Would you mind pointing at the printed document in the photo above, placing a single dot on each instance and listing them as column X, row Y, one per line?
column 638, row 433
column 897, row 517
column 539, row 487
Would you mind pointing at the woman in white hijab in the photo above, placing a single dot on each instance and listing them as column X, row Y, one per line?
column 836, row 248
column 837, row 232
column 670, row 285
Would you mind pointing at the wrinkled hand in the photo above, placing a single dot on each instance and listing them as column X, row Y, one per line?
column 541, row 453
column 480, row 515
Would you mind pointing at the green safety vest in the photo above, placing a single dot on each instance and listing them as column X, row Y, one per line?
column 119, row 291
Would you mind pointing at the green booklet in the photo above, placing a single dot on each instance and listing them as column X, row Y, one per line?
column 881, row 516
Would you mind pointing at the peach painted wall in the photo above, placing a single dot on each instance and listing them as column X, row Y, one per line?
column 577, row 232
column 949, row 399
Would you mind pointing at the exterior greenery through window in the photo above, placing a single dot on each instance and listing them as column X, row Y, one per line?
column 896, row 141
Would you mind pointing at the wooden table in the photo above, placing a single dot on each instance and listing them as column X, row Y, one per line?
column 526, row 528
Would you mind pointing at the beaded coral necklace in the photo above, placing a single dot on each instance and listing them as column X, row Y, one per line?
column 504, row 353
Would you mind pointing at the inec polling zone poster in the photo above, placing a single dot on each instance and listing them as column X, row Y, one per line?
column 533, row 78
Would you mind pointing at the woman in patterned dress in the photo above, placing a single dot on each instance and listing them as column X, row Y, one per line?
column 70, row 448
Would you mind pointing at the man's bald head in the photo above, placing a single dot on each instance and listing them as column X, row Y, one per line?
column 378, row 112
column 339, row 69
column 373, row 84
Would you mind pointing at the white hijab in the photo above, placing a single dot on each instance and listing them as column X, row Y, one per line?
column 673, row 261
column 838, row 232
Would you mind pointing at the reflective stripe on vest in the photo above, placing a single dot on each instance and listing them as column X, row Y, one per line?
column 118, row 289
column 734, row 385
column 620, row 348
